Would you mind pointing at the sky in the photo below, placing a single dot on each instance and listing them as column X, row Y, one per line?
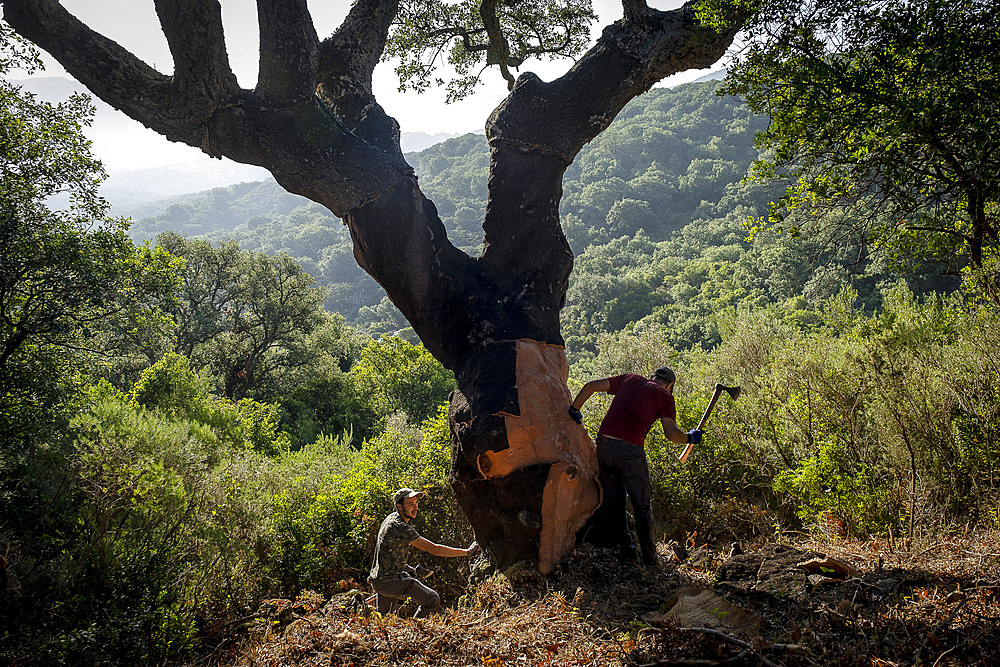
column 133, row 24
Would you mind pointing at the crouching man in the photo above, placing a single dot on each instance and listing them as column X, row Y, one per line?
column 391, row 578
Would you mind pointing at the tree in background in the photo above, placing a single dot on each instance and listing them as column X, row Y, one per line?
column 314, row 388
column 209, row 282
column 245, row 316
column 522, row 470
column 395, row 376
column 889, row 108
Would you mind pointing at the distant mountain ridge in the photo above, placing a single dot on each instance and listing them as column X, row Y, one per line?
column 712, row 76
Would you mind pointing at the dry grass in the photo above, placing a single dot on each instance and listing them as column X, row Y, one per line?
column 942, row 609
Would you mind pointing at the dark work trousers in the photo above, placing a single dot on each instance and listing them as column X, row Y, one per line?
column 624, row 471
column 392, row 594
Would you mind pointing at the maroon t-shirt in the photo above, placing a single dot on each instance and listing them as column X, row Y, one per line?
column 637, row 403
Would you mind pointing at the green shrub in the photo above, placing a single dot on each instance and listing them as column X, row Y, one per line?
column 831, row 489
column 881, row 420
column 163, row 529
column 308, row 526
column 170, row 386
column 395, row 376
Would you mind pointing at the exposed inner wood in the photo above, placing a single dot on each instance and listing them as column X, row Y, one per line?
column 544, row 432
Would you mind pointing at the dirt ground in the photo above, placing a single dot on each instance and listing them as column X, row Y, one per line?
column 789, row 603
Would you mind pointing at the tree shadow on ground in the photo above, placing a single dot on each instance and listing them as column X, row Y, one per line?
column 911, row 615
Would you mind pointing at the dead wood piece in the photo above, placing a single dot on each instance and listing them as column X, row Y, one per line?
column 706, row 609
column 729, row 639
column 817, row 580
column 828, row 567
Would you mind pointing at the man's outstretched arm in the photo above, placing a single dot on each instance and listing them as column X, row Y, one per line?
column 673, row 433
column 436, row 549
column 586, row 392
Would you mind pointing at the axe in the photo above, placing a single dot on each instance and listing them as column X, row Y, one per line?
column 734, row 393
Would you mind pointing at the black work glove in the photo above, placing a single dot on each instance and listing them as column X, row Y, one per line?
column 694, row 436
column 576, row 415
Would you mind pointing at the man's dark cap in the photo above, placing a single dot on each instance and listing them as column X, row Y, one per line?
column 404, row 493
column 665, row 374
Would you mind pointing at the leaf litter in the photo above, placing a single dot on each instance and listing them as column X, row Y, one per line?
column 934, row 604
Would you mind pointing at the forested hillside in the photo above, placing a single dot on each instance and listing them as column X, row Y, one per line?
column 656, row 210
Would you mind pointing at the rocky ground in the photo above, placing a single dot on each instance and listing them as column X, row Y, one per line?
column 793, row 603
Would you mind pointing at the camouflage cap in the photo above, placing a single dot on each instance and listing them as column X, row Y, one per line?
column 404, row 493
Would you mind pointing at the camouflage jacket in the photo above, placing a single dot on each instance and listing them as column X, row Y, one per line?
column 394, row 537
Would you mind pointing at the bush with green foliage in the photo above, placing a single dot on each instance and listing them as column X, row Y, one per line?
column 165, row 532
column 859, row 424
column 393, row 376
column 170, row 386
column 872, row 420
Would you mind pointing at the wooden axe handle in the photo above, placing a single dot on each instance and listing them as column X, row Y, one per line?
column 711, row 406
column 701, row 425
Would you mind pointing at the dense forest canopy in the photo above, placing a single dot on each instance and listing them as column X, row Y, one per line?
column 886, row 110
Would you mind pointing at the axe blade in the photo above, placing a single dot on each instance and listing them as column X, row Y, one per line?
column 734, row 392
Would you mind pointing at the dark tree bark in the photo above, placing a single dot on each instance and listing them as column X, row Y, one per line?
column 523, row 471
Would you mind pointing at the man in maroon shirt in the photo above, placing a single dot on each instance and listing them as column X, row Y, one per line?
column 637, row 403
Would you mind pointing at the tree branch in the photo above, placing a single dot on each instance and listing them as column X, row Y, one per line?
column 107, row 69
column 195, row 37
column 498, row 52
column 400, row 240
column 307, row 148
column 346, row 62
column 951, row 232
column 288, row 51
column 467, row 41
column 541, row 127
column 357, row 45
column 634, row 9
column 626, row 61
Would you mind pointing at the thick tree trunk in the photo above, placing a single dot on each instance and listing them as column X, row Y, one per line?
column 523, row 470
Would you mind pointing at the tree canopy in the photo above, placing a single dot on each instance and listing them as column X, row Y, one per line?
column 890, row 108
column 242, row 314
column 473, row 35
column 73, row 288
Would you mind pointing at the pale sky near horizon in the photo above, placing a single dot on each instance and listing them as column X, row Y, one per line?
column 133, row 24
